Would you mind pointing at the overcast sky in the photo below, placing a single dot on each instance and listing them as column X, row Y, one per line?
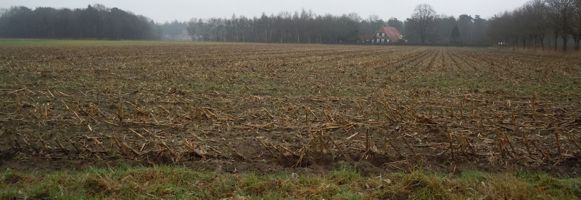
column 183, row 10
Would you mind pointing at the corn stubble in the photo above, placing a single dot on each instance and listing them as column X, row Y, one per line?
column 291, row 105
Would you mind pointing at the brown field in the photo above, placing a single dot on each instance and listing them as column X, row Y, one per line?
column 237, row 107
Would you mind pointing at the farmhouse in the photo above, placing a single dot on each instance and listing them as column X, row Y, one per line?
column 384, row 35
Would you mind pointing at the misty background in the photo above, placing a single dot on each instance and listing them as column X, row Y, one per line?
column 530, row 24
column 184, row 10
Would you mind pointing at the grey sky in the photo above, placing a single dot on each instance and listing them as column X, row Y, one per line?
column 183, row 10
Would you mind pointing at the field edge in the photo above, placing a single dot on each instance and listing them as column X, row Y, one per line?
column 162, row 182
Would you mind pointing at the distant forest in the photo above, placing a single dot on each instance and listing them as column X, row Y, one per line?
column 307, row 27
column 98, row 22
column 537, row 24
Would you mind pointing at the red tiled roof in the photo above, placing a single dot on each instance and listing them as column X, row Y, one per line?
column 392, row 33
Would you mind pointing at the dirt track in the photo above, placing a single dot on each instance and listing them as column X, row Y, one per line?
column 269, row 107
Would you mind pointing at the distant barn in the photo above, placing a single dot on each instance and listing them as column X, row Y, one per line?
column 384, row 35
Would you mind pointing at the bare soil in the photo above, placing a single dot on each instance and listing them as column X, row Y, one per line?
column 258, row 107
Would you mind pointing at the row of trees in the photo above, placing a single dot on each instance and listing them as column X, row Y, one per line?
column 537, row 24
column 93, row 22
column 303, row 27
column 427, row 27
column 540, row 23
column 424, row 27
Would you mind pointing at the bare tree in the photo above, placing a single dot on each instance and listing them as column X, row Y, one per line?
column 576, row 25
column 535, row 13
column 423, row 19
column 530, row 24
column 562, row 17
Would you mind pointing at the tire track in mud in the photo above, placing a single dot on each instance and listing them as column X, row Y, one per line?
column 466, row 66
column 253, row 55
column 519, row 66
column 495, row 67
column 355, row 57
column 414, row 64
column 379, row 61
column 462, row 64
column 436, row 61
column 502, row 67
column 391, row 65
column 438, row 65
column 323, row 57
column 401, row 66
column 412, row 58
column 447, row 62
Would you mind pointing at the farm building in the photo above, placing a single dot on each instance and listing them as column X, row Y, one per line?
column 384, row 35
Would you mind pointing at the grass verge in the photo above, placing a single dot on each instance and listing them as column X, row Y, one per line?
column 182, row 183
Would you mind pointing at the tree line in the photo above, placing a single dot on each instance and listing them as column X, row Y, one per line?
column 424, row 27
column 299, row 27
column 97, row 21
column 100, row 22
column 538, row 24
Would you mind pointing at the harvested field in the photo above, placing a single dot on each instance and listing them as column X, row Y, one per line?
column 265, row 107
